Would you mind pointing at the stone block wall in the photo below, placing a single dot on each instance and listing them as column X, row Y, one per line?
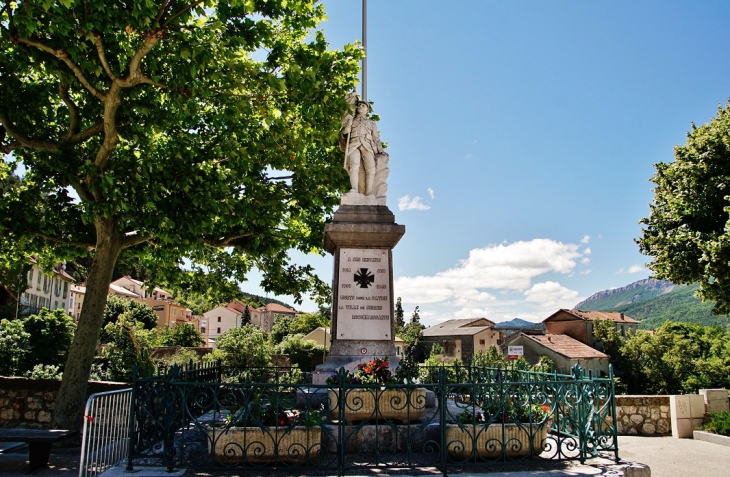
column 716, row 400
column 643, row 415
column 29, row 403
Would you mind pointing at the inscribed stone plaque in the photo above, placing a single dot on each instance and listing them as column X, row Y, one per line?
column 363, row 294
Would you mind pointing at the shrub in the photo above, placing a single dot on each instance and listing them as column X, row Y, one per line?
column 718, row 423
column 301, row 352
column 44, row 371
column 13, row 346
column 51, row 334
column 245, row 347
column 130, row 344
column 184, row 335
column 183, row 357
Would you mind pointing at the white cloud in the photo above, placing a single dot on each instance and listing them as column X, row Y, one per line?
column 585, row 239
column 469, row 156
column 632, row 269
column 507, row 267
column 430, row 193
column 585, row 260
column 416, row 203
column 550, row 293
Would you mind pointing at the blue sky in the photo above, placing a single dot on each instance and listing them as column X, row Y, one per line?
column 522, row 136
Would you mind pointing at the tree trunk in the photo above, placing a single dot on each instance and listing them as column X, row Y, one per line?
column 69, row 408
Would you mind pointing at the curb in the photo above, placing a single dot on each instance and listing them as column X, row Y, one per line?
column 710, row 437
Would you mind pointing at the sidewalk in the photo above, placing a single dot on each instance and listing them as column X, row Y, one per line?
column 665, row 456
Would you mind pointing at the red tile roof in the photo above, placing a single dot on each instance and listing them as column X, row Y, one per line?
column 237, row 306
column 596, row 315
column 276, row 308
column 566, row 346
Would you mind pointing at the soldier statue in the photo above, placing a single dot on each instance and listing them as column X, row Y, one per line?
column 365, row 160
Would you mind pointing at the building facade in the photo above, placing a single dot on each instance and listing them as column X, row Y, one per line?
column 46, row 290
column 463, row 338
column 578, row 324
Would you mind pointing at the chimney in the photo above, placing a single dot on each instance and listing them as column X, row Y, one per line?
column 622, row 316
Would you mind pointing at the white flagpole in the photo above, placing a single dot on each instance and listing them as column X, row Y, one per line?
column 365, row 49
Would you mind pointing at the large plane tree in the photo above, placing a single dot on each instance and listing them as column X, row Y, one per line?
column 187, row 135
column 687, row 234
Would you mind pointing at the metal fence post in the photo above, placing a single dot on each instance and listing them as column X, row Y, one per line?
column 614, row 427
column 341, row 398
column 442, row 417
column 132, row 417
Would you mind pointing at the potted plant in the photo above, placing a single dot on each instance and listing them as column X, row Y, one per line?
column 263, row 430
column 514, row 431
column 389, row 403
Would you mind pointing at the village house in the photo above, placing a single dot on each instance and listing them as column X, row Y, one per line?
column 579, row 324
column 44, row 290
column 564, row 351
column 463, row 338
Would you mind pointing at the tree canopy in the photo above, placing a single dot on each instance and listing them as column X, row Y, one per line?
column 198, row 136
column 686, row 233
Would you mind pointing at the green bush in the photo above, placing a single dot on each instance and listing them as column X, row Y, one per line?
column 184, row 335
column 301, row 352
column 130, row 344
column 44, row 371
column 134, row 310
column 183, row 357
column 719, row 423
column 244, row 347
column 13, row 347
column 51, row 334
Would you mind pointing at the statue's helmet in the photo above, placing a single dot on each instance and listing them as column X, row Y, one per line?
column 359, row 102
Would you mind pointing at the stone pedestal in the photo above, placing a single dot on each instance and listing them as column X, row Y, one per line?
column 361, row 238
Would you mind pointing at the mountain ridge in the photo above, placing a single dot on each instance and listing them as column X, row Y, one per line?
column 635, row 292
column 652, row 302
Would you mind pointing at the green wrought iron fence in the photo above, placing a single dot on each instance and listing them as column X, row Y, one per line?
column 270, row 417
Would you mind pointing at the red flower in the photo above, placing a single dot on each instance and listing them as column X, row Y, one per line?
column 281, row 423
column 368, row 369
column 546, row 408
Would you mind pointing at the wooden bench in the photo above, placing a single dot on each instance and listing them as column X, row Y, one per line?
column 39, row 443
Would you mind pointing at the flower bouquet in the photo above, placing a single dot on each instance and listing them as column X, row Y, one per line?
column 385, row 402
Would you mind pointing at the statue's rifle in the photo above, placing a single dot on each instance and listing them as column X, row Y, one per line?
column 347, row 145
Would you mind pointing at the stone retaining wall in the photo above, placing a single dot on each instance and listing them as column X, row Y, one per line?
column 643, row 415
column 29, row 402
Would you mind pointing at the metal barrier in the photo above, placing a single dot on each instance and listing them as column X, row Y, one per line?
column 106, row 431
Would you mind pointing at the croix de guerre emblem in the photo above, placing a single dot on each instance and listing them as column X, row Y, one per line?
column 364, row 278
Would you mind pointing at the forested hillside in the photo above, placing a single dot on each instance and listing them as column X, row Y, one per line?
column 653, row 302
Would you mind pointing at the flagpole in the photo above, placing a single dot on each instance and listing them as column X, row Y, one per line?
column 365, row 49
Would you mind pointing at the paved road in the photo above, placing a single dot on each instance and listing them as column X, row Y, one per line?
column 669, row 457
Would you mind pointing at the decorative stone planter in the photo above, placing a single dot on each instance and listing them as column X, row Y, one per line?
column 490, row 441
column 393, row 404
column 292, row 445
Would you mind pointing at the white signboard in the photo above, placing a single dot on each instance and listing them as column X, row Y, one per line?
column 514, row 352
column 363, row 294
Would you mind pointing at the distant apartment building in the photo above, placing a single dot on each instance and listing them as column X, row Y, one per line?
column 46, row 290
